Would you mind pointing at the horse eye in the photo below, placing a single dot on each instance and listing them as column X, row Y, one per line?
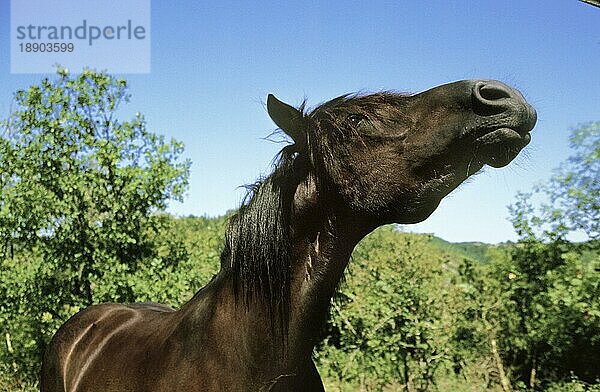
column 355, row 119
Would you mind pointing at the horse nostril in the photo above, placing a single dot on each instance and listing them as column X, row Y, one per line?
column 491, row 97
column 492, row 92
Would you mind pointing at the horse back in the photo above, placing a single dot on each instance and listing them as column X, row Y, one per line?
column 97, row 335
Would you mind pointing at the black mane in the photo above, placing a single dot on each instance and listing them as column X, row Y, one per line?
column 257, row 252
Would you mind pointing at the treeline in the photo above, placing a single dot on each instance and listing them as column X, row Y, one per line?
column 80, row 223
column 409, row 316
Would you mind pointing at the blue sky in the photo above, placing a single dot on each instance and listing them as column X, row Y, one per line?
column 213, row 63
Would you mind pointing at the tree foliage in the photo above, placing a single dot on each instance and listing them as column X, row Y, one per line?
column 78, row 193
column 555, row 285
column 569, row 202
column 390, row 323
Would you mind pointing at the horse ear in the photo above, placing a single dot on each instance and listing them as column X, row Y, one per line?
column 288, row 118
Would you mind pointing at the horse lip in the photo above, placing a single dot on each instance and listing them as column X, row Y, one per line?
column 499, row 147
column 521, row 121
column 528, row 119
column 503, row 134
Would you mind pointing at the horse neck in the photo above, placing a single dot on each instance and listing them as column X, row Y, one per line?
column 323, row 237
column 321, row 247
column 319, row 265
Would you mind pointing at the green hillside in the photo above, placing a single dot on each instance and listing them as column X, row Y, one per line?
column 477, row 251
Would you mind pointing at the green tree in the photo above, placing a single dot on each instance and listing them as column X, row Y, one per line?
column 569, row 201
column 555, row 285
column 391, row 322
column 483, row 312
column 78, row 193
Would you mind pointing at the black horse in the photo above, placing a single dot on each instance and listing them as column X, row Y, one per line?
column 357, row 162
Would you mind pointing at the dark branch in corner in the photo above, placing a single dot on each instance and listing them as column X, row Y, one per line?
column 595, row 3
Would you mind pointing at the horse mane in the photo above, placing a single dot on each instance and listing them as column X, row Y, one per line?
column 257, row 251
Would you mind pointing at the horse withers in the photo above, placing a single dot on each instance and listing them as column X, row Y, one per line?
column 356, row 162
